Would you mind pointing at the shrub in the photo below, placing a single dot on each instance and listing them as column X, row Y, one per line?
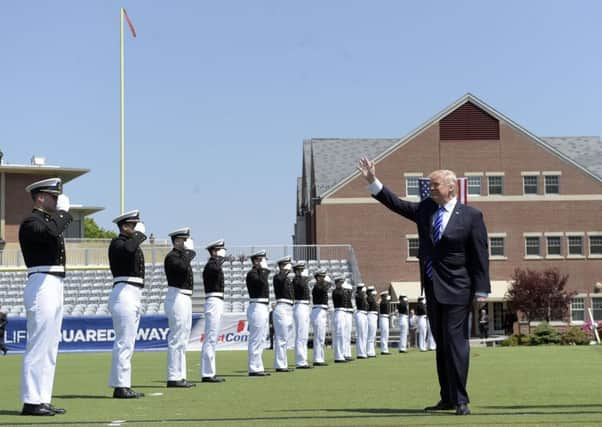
column 545, row 334
column 575, row 336
column 515, row 340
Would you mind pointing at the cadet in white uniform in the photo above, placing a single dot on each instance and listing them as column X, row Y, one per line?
column 43, row 248
column 421, row 323
column 340, row 312
column 385, row 314
column 319, row 316
column 372, row 321
column 178, row 305
column 257, row 312
column 361, row 322
column 403, row 309
column 282, row 316
column 301, row 313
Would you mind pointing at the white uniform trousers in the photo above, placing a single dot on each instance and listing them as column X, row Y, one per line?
column 372, row 326
column 301, row 311
column 214, row 307
column 403, row 332
column 283, row 320
column 319, row 319
column 178, row 308
column 257, row 319
column 43, row 300
column 338, row 341
column 348, row 329
column 421, row 321
column 430, row 339
column 361, row 333
column 124, row 305
column 384, row 334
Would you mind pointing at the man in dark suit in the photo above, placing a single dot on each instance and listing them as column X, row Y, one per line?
column 454, row 270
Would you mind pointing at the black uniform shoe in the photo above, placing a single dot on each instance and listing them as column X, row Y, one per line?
column 283, row 370
column 180, row 384
column 341, row 361
column 320, row 364
column 56, row 410
column 303, row 367
column 126, row 393
column 403, row 351
column 349, row 359
column 259, row 374
column 370, row 357
column 462, row 409
column 440, row 406
column 39, row 410
column 385, row 353
column 362, row 357
column 212, row 380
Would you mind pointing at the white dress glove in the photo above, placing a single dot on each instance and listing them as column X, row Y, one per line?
column 290, row 276
column 140, row 228
column 189, row 244
column 264, row 264
column 328, row 280
column 62, row 203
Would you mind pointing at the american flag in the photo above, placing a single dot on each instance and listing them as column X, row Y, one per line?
column 424, row 188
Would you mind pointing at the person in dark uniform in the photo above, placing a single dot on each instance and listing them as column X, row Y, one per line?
column 43, row 248
column 402, row 308
column 384, row 315
column 319, row 316
column 258, row 288
column 178, row 305
column 372, row 321
column 127, row 266
column 283, row 313
column 302, row 314
column 213, row 281
column 361, row 322
column 338, row 333
column 3, row 322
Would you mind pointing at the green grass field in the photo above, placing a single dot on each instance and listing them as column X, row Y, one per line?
column 508, row 386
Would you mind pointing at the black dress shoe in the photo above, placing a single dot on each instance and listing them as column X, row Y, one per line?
column 462, row 409
column 38, row 410
column 180, row 384
column 403, row 351
column 362, row 357
column 283, row 370
column 440, row 406
column 303, row 367
column 213, row 380
column 341, row 361
column 349, row 359
column 56, row 410
column 370, row 357
column 126, row 393
column 259, row 374
column 385, row 353
column 320, row 364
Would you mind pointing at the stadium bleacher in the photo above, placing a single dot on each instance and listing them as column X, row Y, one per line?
column 86, row 291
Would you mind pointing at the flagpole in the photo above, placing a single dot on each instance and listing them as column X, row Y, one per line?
column 122, row 146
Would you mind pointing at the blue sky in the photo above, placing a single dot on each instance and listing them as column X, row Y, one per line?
column 220, row 95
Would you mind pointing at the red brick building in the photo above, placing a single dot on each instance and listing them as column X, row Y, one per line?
column 541, row 198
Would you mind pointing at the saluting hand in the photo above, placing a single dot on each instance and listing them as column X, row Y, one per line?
column 366, row 167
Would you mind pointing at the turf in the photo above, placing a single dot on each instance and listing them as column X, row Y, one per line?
column 508, row 386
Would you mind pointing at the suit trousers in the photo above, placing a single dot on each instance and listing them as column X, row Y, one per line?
column 214, row 307
column 178, row 308
column 257, row 319
column 124, row 305
column 319, row 320
column 43, row 300
column 301, row 312
column 283, row 319
column 372, row 327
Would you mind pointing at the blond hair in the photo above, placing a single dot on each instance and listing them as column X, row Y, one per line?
column 449, row 177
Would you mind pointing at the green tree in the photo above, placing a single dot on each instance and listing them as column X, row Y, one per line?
column 93, row 231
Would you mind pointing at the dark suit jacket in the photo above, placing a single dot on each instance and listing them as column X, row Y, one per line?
column 460, row 258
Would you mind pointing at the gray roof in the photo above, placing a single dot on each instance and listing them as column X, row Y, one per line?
column 584, row 150
column 335, row 159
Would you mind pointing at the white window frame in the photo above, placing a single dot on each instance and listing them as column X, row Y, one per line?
column 589, row 243
column 494, row 174
column 525, row 235
column 412, row 175
column 568, row 238
column 551, row 173
column 578, row 322
column 531, row 174
column 497, row 257
column 559, row 234
column 597, row 297
column 408, row 238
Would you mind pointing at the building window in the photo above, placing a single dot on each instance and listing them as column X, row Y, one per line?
column 412, row 186
column 412, row 247
column 595, row 245
column 530, row 184
column 532, row 246
column 597, row 308
column 496, row 246
column 575, row 245
column 552, row 184
column 498, row 316
column 474, row 185
column 578, row 309
column 553, row 245
column 495, row 184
